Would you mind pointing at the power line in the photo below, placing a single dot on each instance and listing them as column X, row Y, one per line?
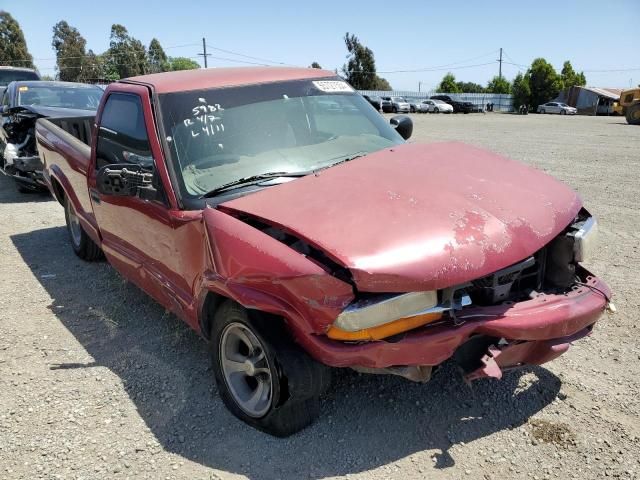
column 441, row 67
column 231, row 52
column 426, row 69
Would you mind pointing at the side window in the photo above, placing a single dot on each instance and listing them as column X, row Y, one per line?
column 5, row 97
column 122, row 136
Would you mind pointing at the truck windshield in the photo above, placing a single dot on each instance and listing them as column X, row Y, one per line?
column 80, row 98
column 218, row 136
column 8, row 76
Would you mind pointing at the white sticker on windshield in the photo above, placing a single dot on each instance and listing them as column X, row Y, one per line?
column 332, row 86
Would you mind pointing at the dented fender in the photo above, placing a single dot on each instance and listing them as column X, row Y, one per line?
column 264, row 274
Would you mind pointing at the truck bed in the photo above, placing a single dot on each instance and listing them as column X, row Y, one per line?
column 64, row 145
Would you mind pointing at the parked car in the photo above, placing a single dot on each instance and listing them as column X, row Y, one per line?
column 557, row 107
column 373, row 100
column 458, row 106
column 400, row 105
column 22, row 103
column 386, row 104
column 294, row 239
column 13, row 74
column 436, row 106
column 414, row 105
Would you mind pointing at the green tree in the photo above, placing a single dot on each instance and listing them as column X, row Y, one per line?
column 360, row 69
column 315, row 65
column 498, row 85
column 381, row 84
column 469, row 87
column 13, row 47
column 570, row 78
column 70, row 51
column 520, row 90
column 182, row 63
column 448, row 84
column 127, row 56
column 158, row 61
column 544, row 82
column 97, row 67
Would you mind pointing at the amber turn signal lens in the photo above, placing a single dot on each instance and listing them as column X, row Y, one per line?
column 383, row 331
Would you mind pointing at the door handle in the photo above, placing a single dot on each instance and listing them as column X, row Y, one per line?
column 95, row 197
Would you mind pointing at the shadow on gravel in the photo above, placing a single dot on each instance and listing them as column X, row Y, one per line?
column 9, row 193
column 366, row 422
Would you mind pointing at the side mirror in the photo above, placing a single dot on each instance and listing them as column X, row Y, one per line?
column 126, row 180
column 4, row 110
column 403, row 125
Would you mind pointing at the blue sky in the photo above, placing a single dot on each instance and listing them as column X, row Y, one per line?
column 408, row 35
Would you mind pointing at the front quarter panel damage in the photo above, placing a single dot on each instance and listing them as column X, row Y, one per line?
column 262, row 273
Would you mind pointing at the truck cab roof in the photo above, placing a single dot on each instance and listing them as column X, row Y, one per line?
column 201, row 79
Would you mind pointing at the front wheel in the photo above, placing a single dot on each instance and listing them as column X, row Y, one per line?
column 633, row 114
column 436, row 110
column 81, row 243
column 264, row 379
column 563, row 112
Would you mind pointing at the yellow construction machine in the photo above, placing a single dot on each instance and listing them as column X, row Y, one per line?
column 629, row 105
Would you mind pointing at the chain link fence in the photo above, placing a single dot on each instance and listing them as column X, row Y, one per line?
column 501, row 102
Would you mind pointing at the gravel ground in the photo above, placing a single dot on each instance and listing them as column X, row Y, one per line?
column 97, row 381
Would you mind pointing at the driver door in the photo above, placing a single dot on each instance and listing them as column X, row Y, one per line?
column 137, row 234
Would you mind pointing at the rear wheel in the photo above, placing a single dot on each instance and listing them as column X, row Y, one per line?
column 633, row 114
column 542, row 111
column 264, row 379
column 81, row 243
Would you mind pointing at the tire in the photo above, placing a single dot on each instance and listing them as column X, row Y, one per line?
column 412, row 110
column 562, row 112
column 287, row 381
column 633, row 114
column 542, row 111
column 82, row 245
column 394, row 110
column 436, row 110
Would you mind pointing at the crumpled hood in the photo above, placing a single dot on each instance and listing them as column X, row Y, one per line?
column 420, row 217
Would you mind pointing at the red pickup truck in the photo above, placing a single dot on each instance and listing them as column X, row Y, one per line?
column 290, row 224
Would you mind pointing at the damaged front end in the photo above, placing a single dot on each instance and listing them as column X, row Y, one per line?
column 20, row 158
column 526, row 313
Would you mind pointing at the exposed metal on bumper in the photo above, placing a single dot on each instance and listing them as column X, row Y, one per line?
column 500, row 358
column 546, row 317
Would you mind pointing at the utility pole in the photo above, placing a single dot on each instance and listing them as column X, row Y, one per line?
column 205, row 54
column 419, row 83
column 500, row 68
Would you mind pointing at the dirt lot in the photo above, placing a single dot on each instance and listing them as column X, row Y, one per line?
column 96, row 381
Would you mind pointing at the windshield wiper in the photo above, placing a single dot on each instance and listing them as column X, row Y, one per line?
column 343, row 159
column 252, row 180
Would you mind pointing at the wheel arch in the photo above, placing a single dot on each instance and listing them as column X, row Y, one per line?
column 212, row 302
column 58, row 190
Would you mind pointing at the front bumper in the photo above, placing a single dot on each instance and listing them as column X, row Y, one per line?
column 547, row 318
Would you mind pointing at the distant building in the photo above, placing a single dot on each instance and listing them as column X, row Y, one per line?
column 590, row 100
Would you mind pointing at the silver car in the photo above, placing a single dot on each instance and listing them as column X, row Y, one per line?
column 436, row 106
column 557, row 107
column 399, row 104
